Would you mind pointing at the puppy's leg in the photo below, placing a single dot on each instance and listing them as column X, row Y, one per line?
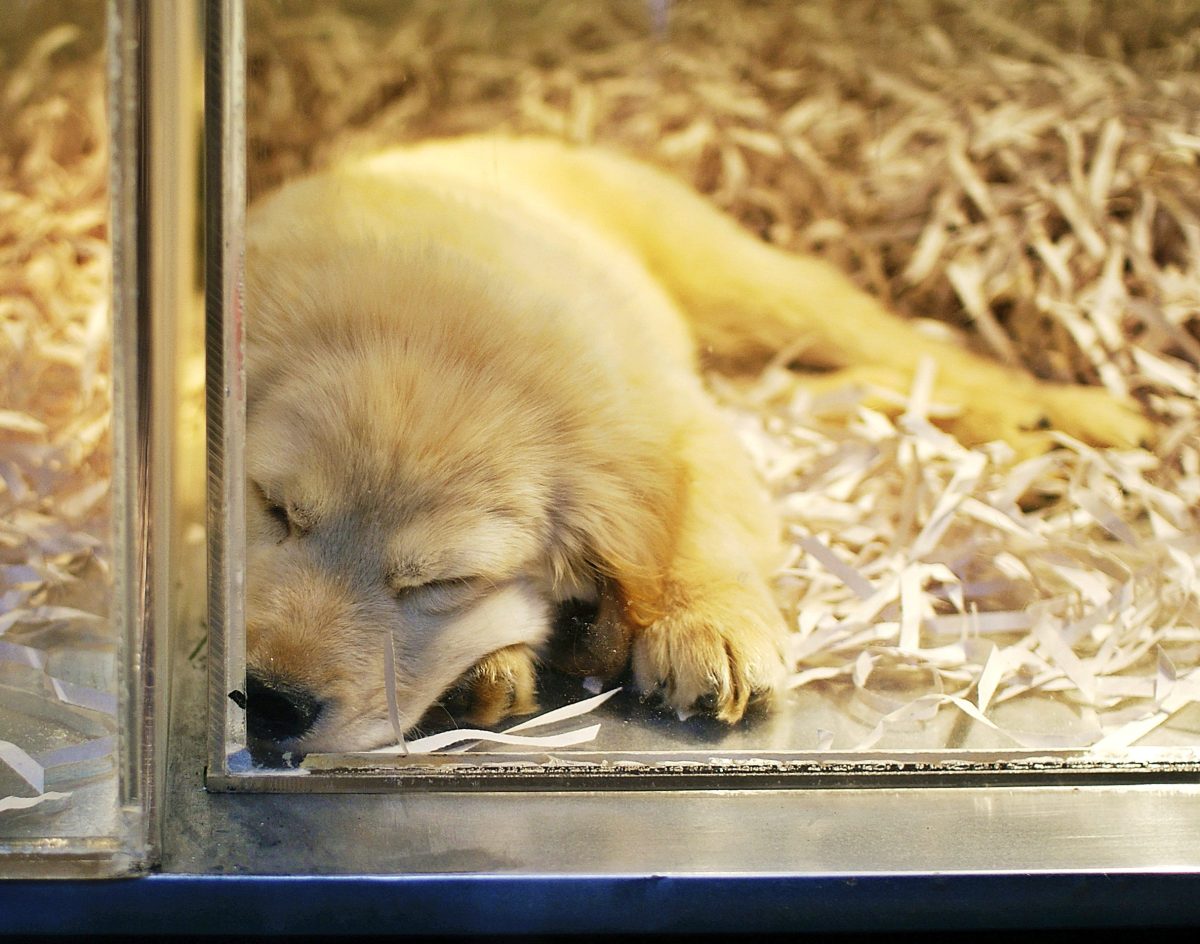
column 591, row 636
column 747, row 300
column 499, row 685
column 713, row 638
column 1021, row 412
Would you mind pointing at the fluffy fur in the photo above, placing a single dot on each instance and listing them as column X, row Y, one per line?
column 474, row 397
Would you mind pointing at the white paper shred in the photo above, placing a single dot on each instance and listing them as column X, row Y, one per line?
column 843, row 571
column 55, row 410
column 22, row 804
column 989, row 678
column 23, row 765
column 565, row 713
column 1177, row 695
column 65, row 691
column 445, row 739
column 389, row 676
column 1082, row 596
column 22, row 655
column 84, row 697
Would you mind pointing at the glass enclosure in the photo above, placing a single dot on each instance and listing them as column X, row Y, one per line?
column 962, row 468
column 980, row 572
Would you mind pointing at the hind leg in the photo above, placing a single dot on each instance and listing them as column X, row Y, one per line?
column 747, row 300
column 999, row 403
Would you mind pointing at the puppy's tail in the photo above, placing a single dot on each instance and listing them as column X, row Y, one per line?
column 746, row 300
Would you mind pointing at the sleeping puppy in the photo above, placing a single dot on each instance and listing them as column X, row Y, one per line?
column 474, row 407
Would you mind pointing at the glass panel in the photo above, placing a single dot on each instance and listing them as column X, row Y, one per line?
column 92, row 162
column 59, row 641
column 989, row 511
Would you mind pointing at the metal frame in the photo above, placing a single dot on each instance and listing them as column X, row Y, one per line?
column 737, row 770
column 152, row 56
column 225, row 184
column 875, row 842
column 125, row 106
column 151, row 103
column 713, row 770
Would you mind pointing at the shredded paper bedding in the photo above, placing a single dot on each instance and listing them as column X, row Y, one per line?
column 57, row 646
column 1020, row 176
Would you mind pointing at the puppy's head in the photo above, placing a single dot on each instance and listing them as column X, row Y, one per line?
column 370, row 528
column 413, row 485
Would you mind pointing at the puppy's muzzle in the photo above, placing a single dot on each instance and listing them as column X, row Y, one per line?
column 277, row 711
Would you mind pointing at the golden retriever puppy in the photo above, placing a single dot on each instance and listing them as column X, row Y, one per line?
column 474, row 407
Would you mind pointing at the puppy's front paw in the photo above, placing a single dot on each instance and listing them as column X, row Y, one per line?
column 498, row 686
column 717, row 658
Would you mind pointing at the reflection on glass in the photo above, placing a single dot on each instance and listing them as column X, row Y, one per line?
column 974, row 561
column 58, row 645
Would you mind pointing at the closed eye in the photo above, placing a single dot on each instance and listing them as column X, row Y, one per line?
column 288, row 518
column 444, row 595
column 450, row 583
column 280, row 515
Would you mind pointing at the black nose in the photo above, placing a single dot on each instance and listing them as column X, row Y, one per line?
column 276, row 711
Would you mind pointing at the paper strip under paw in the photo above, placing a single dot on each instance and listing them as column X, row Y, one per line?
column 444, row 739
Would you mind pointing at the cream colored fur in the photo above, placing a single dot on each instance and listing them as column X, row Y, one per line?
column 473, row 392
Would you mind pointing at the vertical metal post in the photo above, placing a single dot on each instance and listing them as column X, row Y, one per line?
column 225, row 184
column 172, row 198
column 130, row 593
column 152, row 55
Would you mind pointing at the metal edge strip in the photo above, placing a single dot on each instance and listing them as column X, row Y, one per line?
column 750, row 773
column 225, row 203
column 125, row 208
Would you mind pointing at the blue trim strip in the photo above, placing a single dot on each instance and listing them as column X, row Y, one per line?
column 477, row 904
